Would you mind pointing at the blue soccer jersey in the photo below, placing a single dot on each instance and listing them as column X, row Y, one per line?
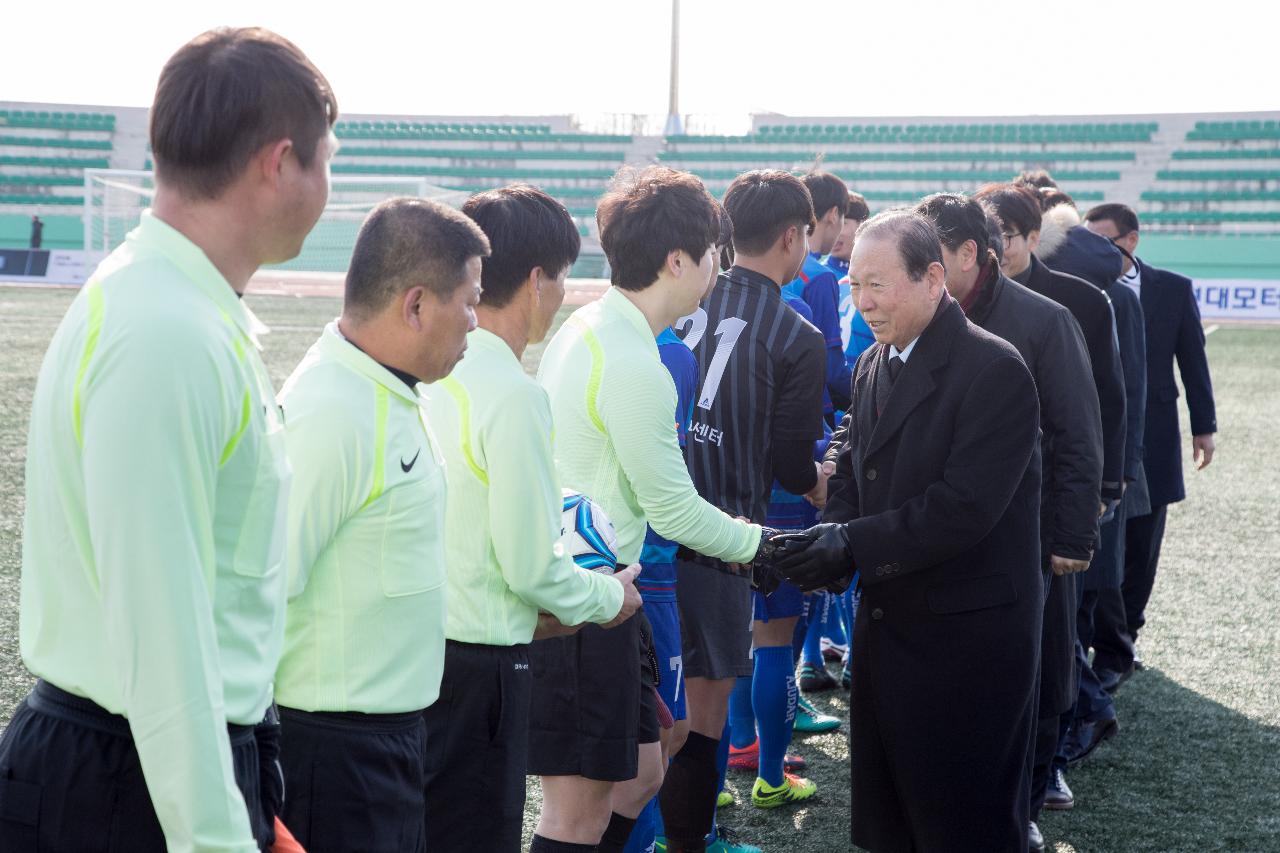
column 837, row 266
column 854, row 330
column 818, row 287
column 657, row 581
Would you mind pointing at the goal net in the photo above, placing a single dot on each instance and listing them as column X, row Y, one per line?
column 115, row 199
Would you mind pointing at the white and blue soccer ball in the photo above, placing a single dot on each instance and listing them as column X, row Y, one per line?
column 587, row 534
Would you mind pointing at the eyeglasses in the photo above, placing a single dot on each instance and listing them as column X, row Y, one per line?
column 1009, row 238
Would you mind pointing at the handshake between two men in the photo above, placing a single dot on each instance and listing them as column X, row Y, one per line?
column 810, row 559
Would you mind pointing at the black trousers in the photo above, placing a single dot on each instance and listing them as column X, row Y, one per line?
column 70, row 780
column 354, row 781
column 1119, row 617
column 477, row 749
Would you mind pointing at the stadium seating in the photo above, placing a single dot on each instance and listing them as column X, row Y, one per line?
column 1218, row 175
column 57, row 162
column 483, row 153
column 1234, row 130
column 940, row 133
column 1227, row 154
column 754, row 156
column 55, row 120
column 67, row 142
column 1186, row 176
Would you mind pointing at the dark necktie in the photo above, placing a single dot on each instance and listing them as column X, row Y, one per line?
column 895, row 367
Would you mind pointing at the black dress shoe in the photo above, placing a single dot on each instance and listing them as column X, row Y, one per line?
column 1035, row 841
column 1058, row 797
column 1085, row 736
column 1111, row 680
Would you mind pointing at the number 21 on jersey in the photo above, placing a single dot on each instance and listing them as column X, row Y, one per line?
column 727, row 332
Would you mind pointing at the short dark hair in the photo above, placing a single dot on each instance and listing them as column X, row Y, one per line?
column 956, row 219
column 857, row 210
column 826, row 191
column 1122, row 215
column 1017, row 206
column 763, row 204
column 224, row 95
column 1039, row 179
column 405, row 242
column 725, row 240
column 526, row 228
column 995, row 234
column 648, row 213
column 916, row 238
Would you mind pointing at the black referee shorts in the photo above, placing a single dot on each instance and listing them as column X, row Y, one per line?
column 353, row 781
column 477, row 748
column 70, row 780
column 593, row 702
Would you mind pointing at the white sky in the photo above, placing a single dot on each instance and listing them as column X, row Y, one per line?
column 797, row 57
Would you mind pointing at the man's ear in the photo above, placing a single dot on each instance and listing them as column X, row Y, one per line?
column 1033, row 240
column 675, row 264
column 269, row 161
column 968, row 255
column 536, row 282
column 936, row 276
column 411, row 307
column 790, row 237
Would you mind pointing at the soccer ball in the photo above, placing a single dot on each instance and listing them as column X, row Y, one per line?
column 588, row 534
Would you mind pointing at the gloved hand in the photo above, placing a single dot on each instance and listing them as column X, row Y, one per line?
column 763, row 577
column 814, row 558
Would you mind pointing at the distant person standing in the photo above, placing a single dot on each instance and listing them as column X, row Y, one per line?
column 37, row 232
column 1173, row 334
column 157, row 484
column 854, row 332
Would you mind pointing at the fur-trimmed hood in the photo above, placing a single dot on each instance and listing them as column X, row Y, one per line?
column 1067, row 246
column 1054, row 225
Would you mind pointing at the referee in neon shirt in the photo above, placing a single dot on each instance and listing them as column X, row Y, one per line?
column 364, row 642
column 502, row 531
column 157, row 484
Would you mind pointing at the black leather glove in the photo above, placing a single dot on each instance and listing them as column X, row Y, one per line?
column 763, row 577
column 814, row 558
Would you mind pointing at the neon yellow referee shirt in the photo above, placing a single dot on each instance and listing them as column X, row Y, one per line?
column 503, row 521
column 365, row 625
column 157, row 484
column 615, row 441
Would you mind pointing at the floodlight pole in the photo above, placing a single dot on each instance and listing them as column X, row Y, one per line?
column 673, row 97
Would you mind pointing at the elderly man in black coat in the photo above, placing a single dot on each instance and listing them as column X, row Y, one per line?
column 1049, row 341
column 935, row 505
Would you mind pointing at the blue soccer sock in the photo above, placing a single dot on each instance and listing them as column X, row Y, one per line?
column 742, row 719
column 812, row 653
column 801, row 631
column 773, row 695
column 645, row 830
column 722, row 767
column 833, row 627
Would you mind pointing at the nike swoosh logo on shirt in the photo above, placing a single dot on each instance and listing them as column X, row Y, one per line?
column 408, row 466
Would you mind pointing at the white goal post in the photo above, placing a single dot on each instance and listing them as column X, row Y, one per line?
column 115, row 198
